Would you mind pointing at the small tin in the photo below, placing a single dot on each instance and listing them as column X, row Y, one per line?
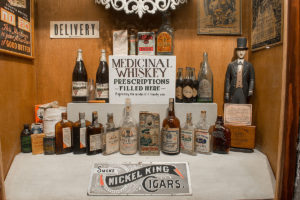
column 49, row 145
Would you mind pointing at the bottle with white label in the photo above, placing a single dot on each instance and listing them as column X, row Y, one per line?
column 79, row 134
column 94, row 136
column 171, row 132
column 188, row 136
column 111, row 138
column 202, row 135
column 128, row 132
column 102, row 79
column 79, row 80
column 63, row 135
column 205, row 78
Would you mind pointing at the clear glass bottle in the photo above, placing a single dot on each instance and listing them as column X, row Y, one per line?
column 128, row 132
column 102, row 79
column 26, row 139
column 79, row 80
column 93, row 138
column 179, row 86
column 165, row 36
column 221, row 137
column 188, row 136
column 63, row 135
column 202, row 135
column 188, row 87
column 205, row 78
column 171, row 132
column 111, row 139
column 79, row 134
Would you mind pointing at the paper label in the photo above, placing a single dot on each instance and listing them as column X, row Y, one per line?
column 202, row 142
column 79, row 89
column 146, row 43
column 170, row 140
column 205, row 88
column 82, row 137
column 164, row 43
column 95, row 142
column 128, row 140
column 187, row 92
column 66, row 137
column 187, row 141
column 112, row 142
column 101, row 90
column 179, row 92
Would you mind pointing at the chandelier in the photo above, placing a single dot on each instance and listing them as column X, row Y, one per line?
column 141, row 7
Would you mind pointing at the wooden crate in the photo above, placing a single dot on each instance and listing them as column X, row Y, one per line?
column 242, row 136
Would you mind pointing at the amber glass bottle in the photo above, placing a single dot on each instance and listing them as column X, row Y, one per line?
column 63, row 135
column 221, row 137
column 171, row 132
column 94, row 133
column 179, row 86
column 79, row 134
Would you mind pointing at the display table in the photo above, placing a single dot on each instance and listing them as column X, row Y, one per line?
column 214, row 176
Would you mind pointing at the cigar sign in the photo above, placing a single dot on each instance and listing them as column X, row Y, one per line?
column 74, row 29
column 140, row 179
column 144, row 79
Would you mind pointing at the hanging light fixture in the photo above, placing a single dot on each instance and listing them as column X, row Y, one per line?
column 141, row 7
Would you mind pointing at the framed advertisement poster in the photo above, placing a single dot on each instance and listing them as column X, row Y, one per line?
column 266, row 26
column 219, row 17
column 16, row 27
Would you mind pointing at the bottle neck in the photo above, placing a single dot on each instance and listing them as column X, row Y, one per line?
column 171, row 109
column 79, row 57
column 179, row 75
column 103, row 57
column 166, row 19
column 95, row 120
column 127, row 111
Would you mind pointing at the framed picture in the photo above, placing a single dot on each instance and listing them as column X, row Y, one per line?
column 266, row 25
column 219, row 17
column 17, row 27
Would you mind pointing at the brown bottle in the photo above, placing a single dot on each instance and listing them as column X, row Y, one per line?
column 79, row 134
column 102, row 79
column 63, row 135
column 188, row 85
column 93, row 138
column 221, row 137
column 171, row 132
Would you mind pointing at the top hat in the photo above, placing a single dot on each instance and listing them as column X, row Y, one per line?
column 242, row 44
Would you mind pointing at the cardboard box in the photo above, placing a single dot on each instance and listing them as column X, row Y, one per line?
column 37, row 143
column 242, row 136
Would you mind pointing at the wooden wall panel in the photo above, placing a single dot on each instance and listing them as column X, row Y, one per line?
column 2, row 188
column 17, row 89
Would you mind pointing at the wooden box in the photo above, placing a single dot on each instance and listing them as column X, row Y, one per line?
column 242, row 136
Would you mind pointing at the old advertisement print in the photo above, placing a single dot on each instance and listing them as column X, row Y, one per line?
column 219, row 17
column 140, row 179
column 266, row 23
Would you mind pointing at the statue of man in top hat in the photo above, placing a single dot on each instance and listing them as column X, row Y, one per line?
column 240, row 76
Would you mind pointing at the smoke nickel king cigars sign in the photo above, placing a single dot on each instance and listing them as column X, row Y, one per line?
column 144, row 79
column 74, row 29
column 140, row 179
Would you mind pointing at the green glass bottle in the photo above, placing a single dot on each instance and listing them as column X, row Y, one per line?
column 26, row 139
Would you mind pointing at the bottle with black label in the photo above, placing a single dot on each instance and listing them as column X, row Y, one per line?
column 205, row 78
column 188, row 87
column 94, row 134
column 195, row 84
column 102, row 79
column 26, row 139
column 79, row 80
column 79, row 134
column 179, row 85
column 63, row 135
column 171, row 132
column 221, row 137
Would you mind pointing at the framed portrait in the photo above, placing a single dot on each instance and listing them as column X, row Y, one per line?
column 266, row 24
column 17, row 27
column 219, row 17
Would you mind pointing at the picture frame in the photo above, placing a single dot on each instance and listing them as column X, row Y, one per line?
column 17, row 28
column 266, row 23
column 219, row 17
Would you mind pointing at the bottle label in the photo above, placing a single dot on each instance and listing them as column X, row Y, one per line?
column 66, row 132
column 194, row 92
column 219, row 134
column 26, row 144
column 102, row 91
column 170, row 140
column 205, row 89
column 95, row 142
column 128, row 141
column 164, row 43
column 202, row 142
column 187, row 92
column 82, row 137
column 112, row 142
column 79, row 89
column 187, row 141
column 179, row 92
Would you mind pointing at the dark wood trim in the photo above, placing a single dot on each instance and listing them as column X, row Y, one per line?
column 292, row 101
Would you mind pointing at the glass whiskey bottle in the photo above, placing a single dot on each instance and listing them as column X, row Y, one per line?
column 202, row 135
column 221, row 137
column 79, row 134
column 188, row 87
column 128, row 132
column 179, row 86
column 205, row 78
column 63, row 135
column 93, row 137
column 79, row 80
column 111, row 141
column 188, row 136
column 26, row 139
column 195, row 85
column 171, row 132
column 102, row 79
column 165, row 36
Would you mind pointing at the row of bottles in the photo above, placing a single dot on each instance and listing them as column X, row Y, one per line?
column 81, row 86
column 191, row 89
